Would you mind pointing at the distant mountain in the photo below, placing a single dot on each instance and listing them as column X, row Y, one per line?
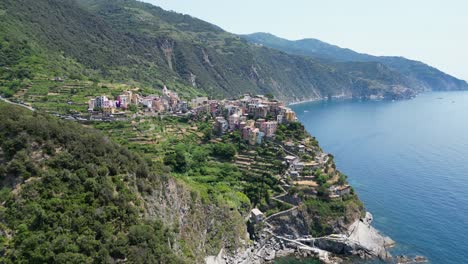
column 126, row 41
column 417, row 74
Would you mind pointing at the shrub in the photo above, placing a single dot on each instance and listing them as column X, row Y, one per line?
column 224, row 151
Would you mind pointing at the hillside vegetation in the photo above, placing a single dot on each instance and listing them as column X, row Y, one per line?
column 139, row 44
column 68, row 193
column 67, row 196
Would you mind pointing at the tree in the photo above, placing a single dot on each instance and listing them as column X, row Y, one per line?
column 181, row 160
column 322, row 178
column 270, row 96
column 199, row 156
column 177, row 159
column 133, row 108
column 224, row 151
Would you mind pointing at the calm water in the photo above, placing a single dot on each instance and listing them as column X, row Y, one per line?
column 408, row 160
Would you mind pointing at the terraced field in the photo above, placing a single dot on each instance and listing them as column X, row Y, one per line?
column 70, row 96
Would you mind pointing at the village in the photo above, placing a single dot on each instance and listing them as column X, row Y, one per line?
column 168, row 102
column 255, row 118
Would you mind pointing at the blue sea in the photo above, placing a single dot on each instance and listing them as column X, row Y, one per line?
column 408, row 161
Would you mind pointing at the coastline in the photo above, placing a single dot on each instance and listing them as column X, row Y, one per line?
column 361, row 240
column 305, row 101
column 335, row 97
column 355, row 239
column 348, row 97
column 391, row 217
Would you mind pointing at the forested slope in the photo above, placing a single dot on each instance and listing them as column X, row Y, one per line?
column 67, row 196
column 134, row 42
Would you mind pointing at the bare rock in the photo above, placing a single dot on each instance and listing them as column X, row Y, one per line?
column 361, row 240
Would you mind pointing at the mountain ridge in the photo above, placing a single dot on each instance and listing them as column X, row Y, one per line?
column 144, row 45
column 418, row 73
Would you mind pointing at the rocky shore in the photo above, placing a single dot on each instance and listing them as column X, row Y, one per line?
column 361, row 240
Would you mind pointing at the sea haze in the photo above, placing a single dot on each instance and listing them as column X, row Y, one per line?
column 408, row 161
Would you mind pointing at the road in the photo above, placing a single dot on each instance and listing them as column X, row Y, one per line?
column 21, row 105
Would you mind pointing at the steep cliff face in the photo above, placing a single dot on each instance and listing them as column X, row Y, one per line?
column 318, row 219
column 203, row 229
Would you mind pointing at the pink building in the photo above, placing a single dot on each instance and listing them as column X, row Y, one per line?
column 270, row 128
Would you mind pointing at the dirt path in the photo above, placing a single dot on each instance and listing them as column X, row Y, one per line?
column 21, row 105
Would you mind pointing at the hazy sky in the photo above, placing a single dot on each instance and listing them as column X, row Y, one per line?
column 433, row 31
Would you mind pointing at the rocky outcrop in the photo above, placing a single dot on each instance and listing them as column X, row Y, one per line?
column 361, row 240
column 211, row 227
column 269, row 247
column 290, row 224
column 408, row 260
column 167, row 48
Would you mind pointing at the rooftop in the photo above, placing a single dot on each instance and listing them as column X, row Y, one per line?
column 256, row 212
column 341, row 188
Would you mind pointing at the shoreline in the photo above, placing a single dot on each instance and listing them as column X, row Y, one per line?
column 293, row 103
column 361, row 240
column 305, row 101
column 336, row 97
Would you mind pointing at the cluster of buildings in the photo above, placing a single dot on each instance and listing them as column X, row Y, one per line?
column 296, row 167
column 168, row 102
column 255, row 117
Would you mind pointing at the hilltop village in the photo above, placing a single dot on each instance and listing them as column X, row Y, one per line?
column 168, row 102
column 256, row 118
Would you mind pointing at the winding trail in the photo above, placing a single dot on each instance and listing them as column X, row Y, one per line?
column 322, row 254
column 280, row 213
column 276, row 198
column 285, row 150
column 17, row 104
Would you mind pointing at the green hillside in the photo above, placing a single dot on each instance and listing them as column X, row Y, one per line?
column 125, row 41
column 68, row 193
column 68, row 196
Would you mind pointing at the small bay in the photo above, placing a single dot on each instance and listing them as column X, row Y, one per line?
column 408, row 161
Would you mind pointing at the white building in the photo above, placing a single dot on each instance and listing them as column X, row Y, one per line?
column 256, row 215
column 91, row 104
column 101, row 102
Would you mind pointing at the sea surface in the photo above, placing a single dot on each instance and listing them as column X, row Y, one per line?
column 408, row 161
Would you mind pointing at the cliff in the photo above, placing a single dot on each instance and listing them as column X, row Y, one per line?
column 202, row 228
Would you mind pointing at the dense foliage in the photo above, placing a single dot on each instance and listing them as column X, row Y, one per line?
column 66, row 196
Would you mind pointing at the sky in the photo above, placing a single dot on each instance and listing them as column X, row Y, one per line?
column 432, row 31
